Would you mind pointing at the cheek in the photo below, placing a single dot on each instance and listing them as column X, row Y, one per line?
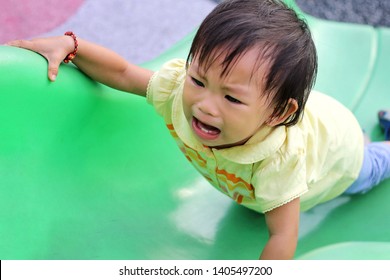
column 251, row 121
column 263, row 113
column 186, row 99
column 187, row 102
column 189, row 95
column 243, row 122
column 186, row 93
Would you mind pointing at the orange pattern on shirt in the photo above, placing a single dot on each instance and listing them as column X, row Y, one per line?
column 228, row 183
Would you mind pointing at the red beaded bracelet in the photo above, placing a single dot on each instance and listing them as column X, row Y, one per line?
column 72, row 55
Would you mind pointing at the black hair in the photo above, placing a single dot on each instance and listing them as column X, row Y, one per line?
column 282, row 37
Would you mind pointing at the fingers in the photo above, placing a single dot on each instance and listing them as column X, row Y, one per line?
column 49, row 48
column 53, row 71
column 36, row 46
column 25, row 44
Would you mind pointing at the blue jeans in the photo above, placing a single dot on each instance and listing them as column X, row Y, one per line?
column 375, row 169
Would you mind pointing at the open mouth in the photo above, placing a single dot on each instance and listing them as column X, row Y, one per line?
column 205, row 131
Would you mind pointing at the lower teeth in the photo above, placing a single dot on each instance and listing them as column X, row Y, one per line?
column 204, row 128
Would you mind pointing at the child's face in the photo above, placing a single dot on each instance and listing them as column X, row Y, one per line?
column 225, row 112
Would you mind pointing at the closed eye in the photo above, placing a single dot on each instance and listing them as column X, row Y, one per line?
column 197, row 82
column 232, row 99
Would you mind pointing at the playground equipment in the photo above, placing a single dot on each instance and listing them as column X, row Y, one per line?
column 83, row 175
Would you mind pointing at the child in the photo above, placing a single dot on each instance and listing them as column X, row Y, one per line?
column 240, row 111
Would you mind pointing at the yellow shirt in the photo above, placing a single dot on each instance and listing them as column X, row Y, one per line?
column 316, row 159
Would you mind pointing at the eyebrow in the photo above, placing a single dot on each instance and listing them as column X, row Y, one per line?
column 235, row 89
column 198, row 71
column 231, row 88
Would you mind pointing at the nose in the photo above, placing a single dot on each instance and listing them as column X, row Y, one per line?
column 208, row 105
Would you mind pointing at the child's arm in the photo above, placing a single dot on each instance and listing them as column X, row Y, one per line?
column 283, row 224
column 101, row 64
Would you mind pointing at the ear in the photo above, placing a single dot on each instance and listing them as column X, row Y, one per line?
column 292, row 107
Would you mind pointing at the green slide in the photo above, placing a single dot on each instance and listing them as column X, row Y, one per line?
column 87, row 172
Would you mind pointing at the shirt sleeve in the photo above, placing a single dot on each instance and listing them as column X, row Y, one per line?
column 164, row 84
column 279, row 180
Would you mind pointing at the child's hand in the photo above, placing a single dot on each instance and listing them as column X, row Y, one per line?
column 54, row 49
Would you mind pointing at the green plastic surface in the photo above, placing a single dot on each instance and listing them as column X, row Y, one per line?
column 350, row 251
column 87, row 172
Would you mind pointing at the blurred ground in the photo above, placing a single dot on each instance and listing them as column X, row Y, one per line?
column 137, row 30
column 142, row 30
column 372, row 12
